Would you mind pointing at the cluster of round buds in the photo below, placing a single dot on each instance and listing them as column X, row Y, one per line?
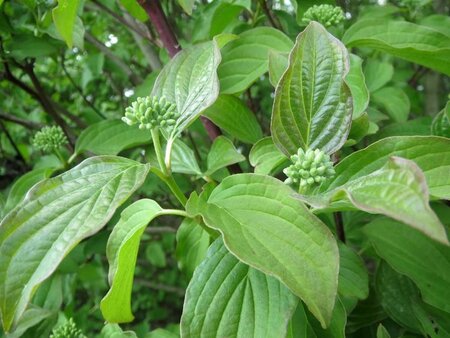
column 151, row 112
column 327, row 15
column 49, row 139
column 308, row 168
column 67, row 330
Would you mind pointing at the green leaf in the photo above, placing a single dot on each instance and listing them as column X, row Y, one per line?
column 312, row 106
column 246, row 59
column 27, row 45
column 122, row 250
column 187, row 5
column 136, row 11
column 419, row 257
column 229, row 109
column 397, row 190
column 54, row 217
column 161, row 333
column 430, row 153
column 394, row 101
column 266, row 158
column 441, row 123
column 382, row 332
column 416, row 127
column 355, row 80
column 399, row 297
column 110, row 137
column 227, row 298
column 222, row 154
column 359, row 129
column 266, row 227
column 31, row 317
column 438, row 22
column 337, row 325
column 353, row 276
column 278, row 62
column 190, row 81
column 183, row 159
column 377, row 74
column 192, row 245
column 64, row 15
column 415, row 43
column 23, row 184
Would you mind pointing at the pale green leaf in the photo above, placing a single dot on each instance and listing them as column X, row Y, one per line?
column 133, row 7
column 266, row 227
column 192, row 244
column 415, row 255
column 187, row 5
column 54, row 217
column 23, row 184
column 397, row 190
column 227, row 298
column 190, row 81
column 183, row 159
column 430, row 153
column 31, row 317
column 312, row 106
column 29, row 46
column 161, row 333
column 222, row 154
column 246, row 59
column 64, row 15
column 438, row 22
column 266, row 157
column 356, row 81
column 412, row 42
column 337, row 324
column 231, row 115
column 110, row 137
column 121, row 251
column 394, row 101
column 377, row 74
column 353, row 276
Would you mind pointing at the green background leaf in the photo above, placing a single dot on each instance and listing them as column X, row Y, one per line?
column 64, row 16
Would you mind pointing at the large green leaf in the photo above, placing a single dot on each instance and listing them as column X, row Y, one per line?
column 54, row 217
column 397, row 190
column 399, row 297
column 110, row 137
column 430, row 153
column 419, row 257
column 394, row 101
column 227, row 298
column 64, row 15
column 183, row 159
column 234, row 117
column 190, row 81
column 122, row 250
column 222, row 154
column 266, row 227
column 312, row 106
column 246, row 58
column 337, row 324
column 415, row 43
column 356, row 81
column 266, row 157
column 441, row 122
column 377, row 74
column 192, row 245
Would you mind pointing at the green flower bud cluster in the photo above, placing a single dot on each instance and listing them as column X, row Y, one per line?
column 151, row 112
column 68, row 330
column 308, row 168
column 327, row 15
column 49, row 139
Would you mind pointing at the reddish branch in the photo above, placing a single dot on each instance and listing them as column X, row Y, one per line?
column 170, row 42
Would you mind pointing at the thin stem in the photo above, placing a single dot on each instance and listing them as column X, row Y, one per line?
column 61, row 158
column 176, row 190
column 168, row 157
column 272, row 18
column 176, row 212
column 339, row 223
column 158, row 151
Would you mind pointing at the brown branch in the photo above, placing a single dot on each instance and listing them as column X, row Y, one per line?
column 26, row 123
column 272, row 18
column 159, row 21
column 339, row 224
column 13, row 144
